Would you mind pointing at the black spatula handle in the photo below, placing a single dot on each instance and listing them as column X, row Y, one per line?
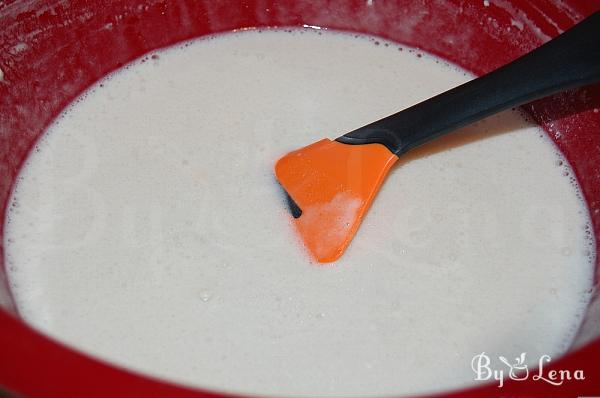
column 568, row 61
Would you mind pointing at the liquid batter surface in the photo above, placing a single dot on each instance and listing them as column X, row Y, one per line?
column 147, row 227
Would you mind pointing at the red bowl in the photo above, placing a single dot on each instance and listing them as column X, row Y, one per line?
column 50, row 51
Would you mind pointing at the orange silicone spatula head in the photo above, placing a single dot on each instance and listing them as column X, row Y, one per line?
column 333, row 185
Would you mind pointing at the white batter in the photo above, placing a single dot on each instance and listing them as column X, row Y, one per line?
column 147, row 227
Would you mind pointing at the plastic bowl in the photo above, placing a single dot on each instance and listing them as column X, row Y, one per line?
column 50, row 51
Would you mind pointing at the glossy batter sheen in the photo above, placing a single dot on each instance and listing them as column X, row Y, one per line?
column 147, row 228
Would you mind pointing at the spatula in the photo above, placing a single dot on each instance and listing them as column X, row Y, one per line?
column 331, row 184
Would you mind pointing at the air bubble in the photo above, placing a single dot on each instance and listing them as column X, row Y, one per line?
column 205, row 296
